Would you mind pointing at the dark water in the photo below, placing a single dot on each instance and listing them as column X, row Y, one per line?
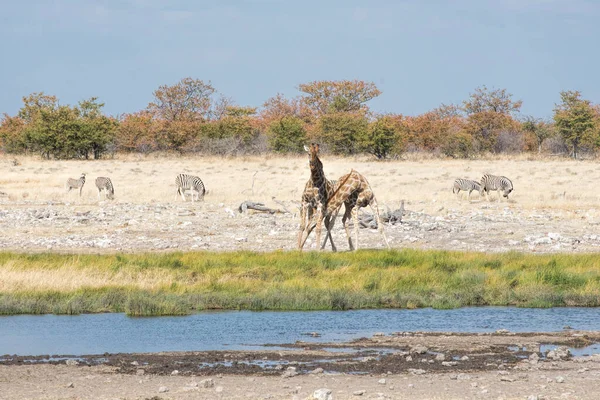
column 113, row 333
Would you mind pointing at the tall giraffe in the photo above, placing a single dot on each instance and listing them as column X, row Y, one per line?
column 353, row 190
column 316, row 193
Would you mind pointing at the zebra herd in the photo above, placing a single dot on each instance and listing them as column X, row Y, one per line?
column 488, row 183
column 182, row 181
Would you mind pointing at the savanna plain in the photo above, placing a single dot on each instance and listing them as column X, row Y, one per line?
column 147, row 252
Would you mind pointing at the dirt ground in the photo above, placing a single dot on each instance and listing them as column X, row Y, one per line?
column 554, row 207
column 500, row 365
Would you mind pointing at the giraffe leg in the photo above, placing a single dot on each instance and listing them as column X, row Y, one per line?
column 375, row 209
column 347, row 214
column 303, row 222
column 355, row 222
column 312, row 224
column 329, row 222
column 319, row 225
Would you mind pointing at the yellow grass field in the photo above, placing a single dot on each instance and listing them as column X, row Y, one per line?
column 555, row 184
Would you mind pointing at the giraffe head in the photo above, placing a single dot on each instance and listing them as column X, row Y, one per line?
column 313, row 155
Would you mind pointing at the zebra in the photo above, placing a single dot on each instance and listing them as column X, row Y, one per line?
column 190, row 182
column 499, row 183
column 464, row 185
column 103, row 183
column 76, row 184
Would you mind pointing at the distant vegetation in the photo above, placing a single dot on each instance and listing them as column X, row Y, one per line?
column 193, row 117
column 183, row 283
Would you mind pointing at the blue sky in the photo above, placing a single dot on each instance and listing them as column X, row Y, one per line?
column 419, row 53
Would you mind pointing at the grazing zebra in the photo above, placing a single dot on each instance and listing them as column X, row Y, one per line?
column 76, row 184
column 103, row 183
column 499, row 183
column 190, row 182
column 464, row 185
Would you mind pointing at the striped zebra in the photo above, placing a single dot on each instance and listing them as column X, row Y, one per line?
column 76, row 184
column 103, row 183
column 499, row 183
column 190, row 182
column 466, row 185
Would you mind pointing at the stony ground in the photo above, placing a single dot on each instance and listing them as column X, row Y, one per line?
column 110, row 227
column 501, row 365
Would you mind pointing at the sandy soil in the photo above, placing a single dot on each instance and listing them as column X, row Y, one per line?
column 501, row 365
column 554, row 208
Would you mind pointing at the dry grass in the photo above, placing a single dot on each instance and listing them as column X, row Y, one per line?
column 423, row 182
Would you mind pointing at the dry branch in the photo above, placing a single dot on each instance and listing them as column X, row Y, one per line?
column 246, row 205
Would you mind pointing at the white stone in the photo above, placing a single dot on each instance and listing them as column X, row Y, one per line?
column 322, row 394
column 163, row 389
column 207, row 383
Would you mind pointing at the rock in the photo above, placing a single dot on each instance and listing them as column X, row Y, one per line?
column 532, row 397
column 359, row 392
column 417, row 371
column 321, row 394
column 502, row 331
column 289, row 372
column 449, row 363
column 71, row 362
column 219, row 389
column 71, row 385
column 378, row 334
column 419, row 349
column 316, row 371
column 207, row 383
column 560, row 353
column 163, row 389
column 560, row 379
column 135, row 363
column 409, row 358
column 175, row 373
column 533, row 358
column 140, row 371
column 381, row 381
column 505, row 378
column 464, row 358
column 440, row 357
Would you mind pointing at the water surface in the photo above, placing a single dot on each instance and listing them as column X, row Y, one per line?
column 236, row 330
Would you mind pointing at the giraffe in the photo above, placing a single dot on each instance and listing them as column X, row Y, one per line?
column 353, row 190
column 315, row 195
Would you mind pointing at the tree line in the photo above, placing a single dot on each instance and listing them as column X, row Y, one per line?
column 191, row 116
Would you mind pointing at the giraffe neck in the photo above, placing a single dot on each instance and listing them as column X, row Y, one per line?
column 316, row 172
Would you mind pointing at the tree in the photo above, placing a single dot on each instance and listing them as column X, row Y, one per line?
column 488, row 114
column 325, row 97
column 497, row 101
column 539, row 129
column 382, row 138
column 189, row 99
column 34, row 103
column 136, row 132
column 575, row 121
column 12, row 137
column 287, row 135
column 341, row 130
column 97, row 130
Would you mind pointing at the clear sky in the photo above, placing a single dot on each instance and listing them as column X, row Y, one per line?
column 420, row 53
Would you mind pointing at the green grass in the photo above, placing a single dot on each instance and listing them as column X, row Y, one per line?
column 182, row 283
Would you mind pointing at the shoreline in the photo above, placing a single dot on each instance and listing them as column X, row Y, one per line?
column 413, row 365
